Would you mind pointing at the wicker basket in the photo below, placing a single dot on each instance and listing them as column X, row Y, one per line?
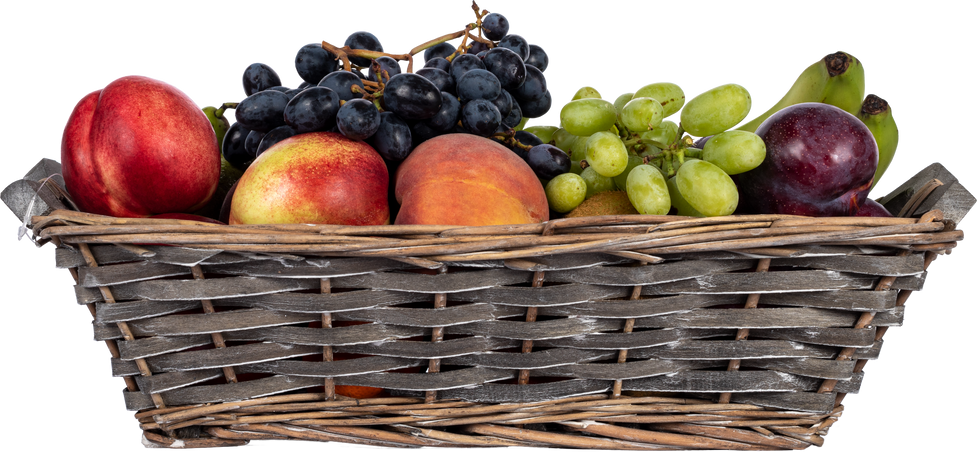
column 631, row 332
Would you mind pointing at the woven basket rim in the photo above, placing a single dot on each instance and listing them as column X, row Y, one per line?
column 641, row 237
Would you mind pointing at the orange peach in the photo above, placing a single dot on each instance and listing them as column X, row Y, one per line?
column 468, row 180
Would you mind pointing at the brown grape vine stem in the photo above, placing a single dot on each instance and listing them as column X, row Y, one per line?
column 343, row 53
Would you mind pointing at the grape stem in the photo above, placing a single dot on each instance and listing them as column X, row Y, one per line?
column 463, row 47
column 343, row 53
column 436, row 41
column 666, row 164
column 632, row 142
column 679, row 135
column 509, row 137
column 482, row 40
column 225, row 104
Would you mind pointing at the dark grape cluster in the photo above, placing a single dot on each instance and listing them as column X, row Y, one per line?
column 486, row 88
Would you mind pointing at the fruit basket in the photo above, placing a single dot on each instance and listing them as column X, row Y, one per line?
column 615, row 332
column 310, row 317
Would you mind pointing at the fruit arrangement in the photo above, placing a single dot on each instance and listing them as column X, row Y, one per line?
column 371, row 137
column 365, row 141
column 816, row 152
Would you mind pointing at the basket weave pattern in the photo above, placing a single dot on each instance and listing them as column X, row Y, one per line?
column 740, row 332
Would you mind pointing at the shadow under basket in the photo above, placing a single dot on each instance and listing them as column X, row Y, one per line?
column 624, row 332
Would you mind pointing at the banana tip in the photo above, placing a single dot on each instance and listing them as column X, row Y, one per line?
column 873, row 105
column 837, row 63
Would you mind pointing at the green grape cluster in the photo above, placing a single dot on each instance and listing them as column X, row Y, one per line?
column 631, row 145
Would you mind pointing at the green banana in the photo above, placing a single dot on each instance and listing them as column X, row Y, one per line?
column 877, row 115
column 832, row 79
column 846, row 89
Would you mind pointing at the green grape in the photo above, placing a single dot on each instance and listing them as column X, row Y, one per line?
column 642, row 114
column 648, row 191
column 544, row 133
column 586, row 93
column 669, row 95
column 578, row 149
column 706, row 188
column 607, row 154
column 595, row 182
column 565, row 192
column 716, row 110
column 563, row 139
column 583, row 117
column 621, row 101
column 578, row 152
column 665, row 133
column 575, row 167
column 735, row 151
column 649, row 151
column 681, row 205
column 621, row 180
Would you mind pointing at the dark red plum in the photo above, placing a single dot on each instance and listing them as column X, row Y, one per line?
column 820, row 162
column 872, row 208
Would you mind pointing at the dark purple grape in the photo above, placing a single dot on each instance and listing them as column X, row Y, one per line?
column 358, row 119
column 387, row 64
column 411, row 96
column 478, row 47
column 305, row 85
column 507, row 66
column 464, row 63
column 447, row 115
column 517, row 44
column 514, row 117
column 701, row 142
column 421, row 132
column 480, row 117
column 438, row 63
column 292, row 93
column 392, row 138
column 536, row 108
column 548, row 161
column 313, row 62
column 312, row 109
column 442, row 50
column 342, row 83
column 251, row 142
column 262, row 111
column 538, row 57
column 495, row 26
column 440, row 78
column 478, row 84
column 233, row 148
column 259, row 77
column 504, row 102
column 273, row 137
column 527, row 139
column 365, row 41
column 533, row 87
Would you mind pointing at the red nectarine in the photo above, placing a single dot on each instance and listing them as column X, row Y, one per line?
column 139, row 147
column 315, row 178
